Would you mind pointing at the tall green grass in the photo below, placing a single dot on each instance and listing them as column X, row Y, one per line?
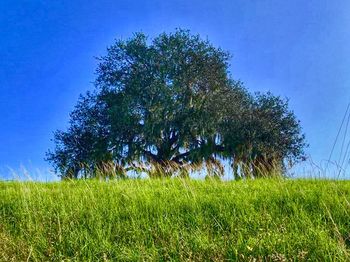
column 175, row 219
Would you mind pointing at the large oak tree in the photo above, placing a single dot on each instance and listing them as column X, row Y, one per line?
column 172, row 102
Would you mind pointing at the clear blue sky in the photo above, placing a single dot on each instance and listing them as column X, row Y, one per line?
column 297, row 49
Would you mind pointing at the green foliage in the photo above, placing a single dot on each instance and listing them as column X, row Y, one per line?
column 172, row 102
column 177, row 220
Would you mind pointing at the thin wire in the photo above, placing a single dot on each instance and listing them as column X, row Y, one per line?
column 344, row 138
column 336, row 139
column 345, row 156
column 347, row 163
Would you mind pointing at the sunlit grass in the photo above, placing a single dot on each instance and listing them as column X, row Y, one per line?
column 175, row 219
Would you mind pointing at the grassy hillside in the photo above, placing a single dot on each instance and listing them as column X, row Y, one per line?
column 131, row 220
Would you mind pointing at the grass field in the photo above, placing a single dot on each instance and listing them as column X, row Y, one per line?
column 181, row 220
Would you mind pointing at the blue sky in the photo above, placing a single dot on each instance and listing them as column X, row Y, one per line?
column 297, row 49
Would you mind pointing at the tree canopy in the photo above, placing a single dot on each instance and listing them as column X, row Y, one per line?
column 171, row 102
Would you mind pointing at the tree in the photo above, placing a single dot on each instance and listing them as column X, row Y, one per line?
column 170, row 103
